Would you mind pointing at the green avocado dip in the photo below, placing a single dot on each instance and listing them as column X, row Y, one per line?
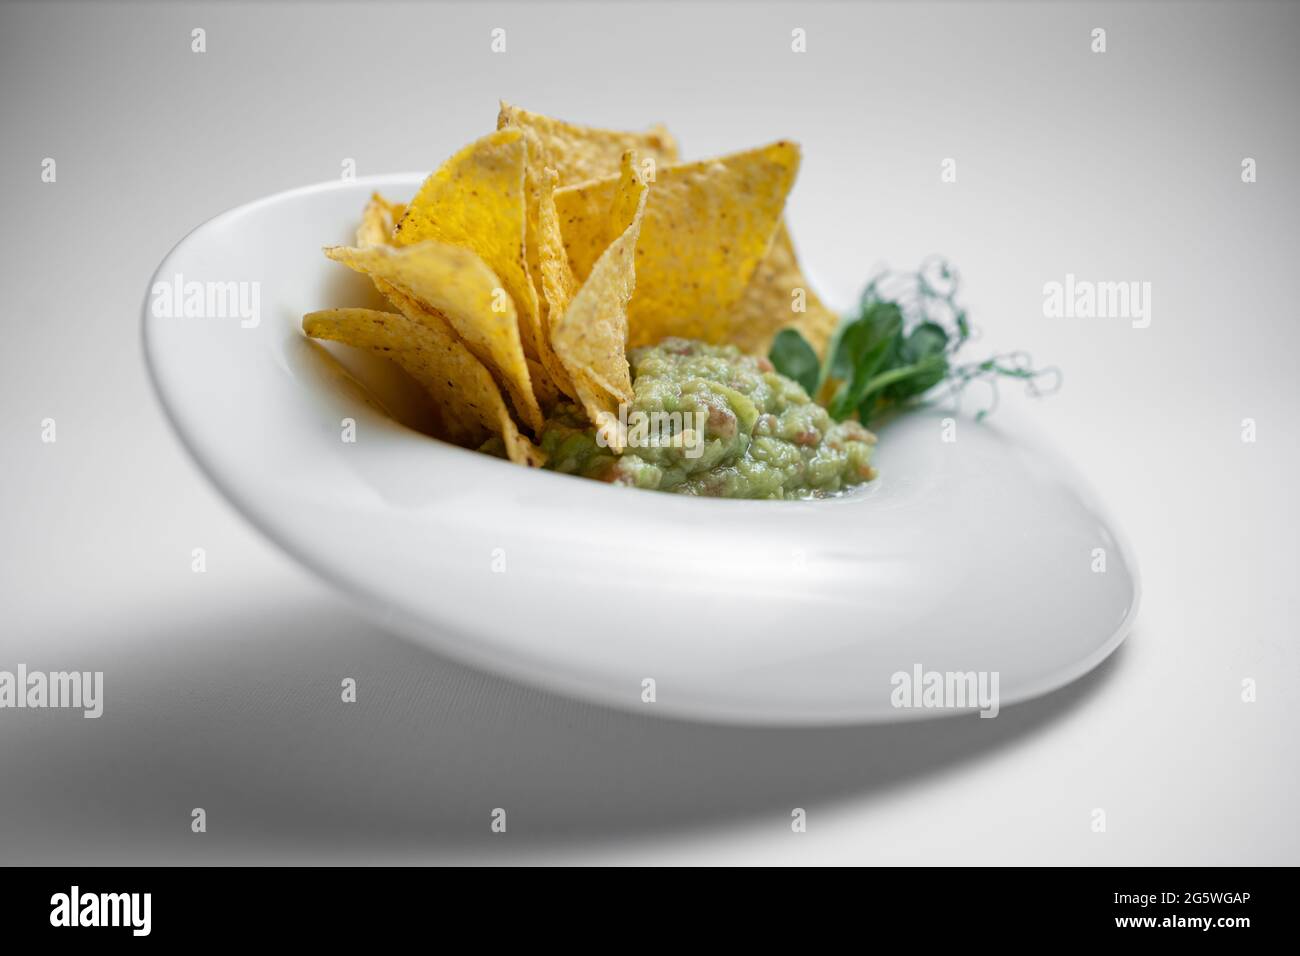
column 709, row 420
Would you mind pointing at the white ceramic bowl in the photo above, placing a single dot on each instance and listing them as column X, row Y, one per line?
column 969, row 556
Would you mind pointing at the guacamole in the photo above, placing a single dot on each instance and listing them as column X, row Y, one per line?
column 709, row 420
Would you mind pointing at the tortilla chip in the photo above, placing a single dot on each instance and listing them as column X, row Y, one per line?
column 707, row 226
column 457, row 382
column 543, row 386
column 557, row 282
column 378, row 221
column 627, row 204
column 477, row 200
column 416, row 310
column 590, row 337
column 578, row 153
column 582, row 213
column 768, row 304
column 456, row 283
column 533, row 176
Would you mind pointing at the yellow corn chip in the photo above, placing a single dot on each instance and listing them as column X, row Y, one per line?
column 558, row 284
column 706, row 228
column 778, row 297
column 590, row 337
column 533, row 176
column 456, row 283
column 378, row 221
column 459, row 384
column 477, row 199
column 579, row 153
column 582, row 214
column 626, row 205
column 543, row 386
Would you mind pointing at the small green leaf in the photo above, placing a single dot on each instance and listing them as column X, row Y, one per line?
column 924, row 341
column 859, row 336
column 903, row 382
column 794, row 358
column 868, row 345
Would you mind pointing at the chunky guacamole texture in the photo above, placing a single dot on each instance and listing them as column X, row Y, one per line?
column 709, row 420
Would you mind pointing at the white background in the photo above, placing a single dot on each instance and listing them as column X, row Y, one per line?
column 222, row 688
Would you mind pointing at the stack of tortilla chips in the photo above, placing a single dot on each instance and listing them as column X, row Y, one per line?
column 529, row 263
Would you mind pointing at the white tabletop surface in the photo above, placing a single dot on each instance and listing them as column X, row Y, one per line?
column 222, row 688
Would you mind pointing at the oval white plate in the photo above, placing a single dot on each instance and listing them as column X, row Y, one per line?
column 973, row 555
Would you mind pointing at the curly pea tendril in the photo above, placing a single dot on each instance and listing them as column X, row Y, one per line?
column 928, row 296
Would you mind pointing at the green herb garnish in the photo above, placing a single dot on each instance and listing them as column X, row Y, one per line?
column 901, row 343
